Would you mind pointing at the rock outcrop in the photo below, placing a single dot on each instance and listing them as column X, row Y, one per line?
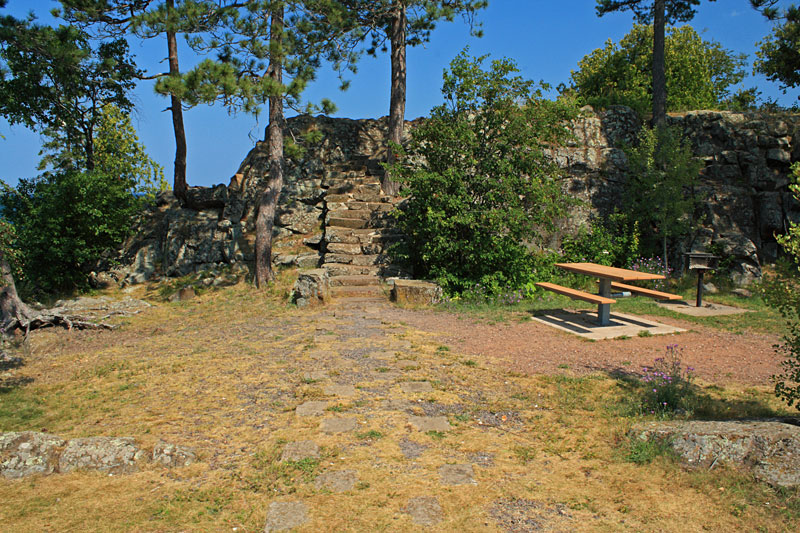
column 29, row 453
column 771, row 450
column 331, row 212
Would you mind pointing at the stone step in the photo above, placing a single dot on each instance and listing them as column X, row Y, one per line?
column 354, row 281
column 352, row 223
column 356, row 249
column 376, row 259
column 340, row 269
column 361, row 214
column 369, row 206
column 358, row 291
column 362, row 236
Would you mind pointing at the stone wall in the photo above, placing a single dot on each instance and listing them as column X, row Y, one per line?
column 743, row 190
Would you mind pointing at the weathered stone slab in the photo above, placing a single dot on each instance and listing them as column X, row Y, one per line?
column 338, row 425
column 172, row 455
column 311, row 409
column 413, row 291
column 297, row 451
column 283, row 516
column 340, row 481
column 457, row 475
column 114, row 454
column 424, row 511
column 411, row 449
column 344, row 391
column 416, row 387
column 770, row 449
column 27, row 453
column 429, row 423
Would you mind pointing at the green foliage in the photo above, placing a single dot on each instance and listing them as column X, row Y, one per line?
column 52, row 80
column 778, row 57
column 783, row 293
column 65, row 221
column 478, row 181
column 674, row 10
column 699, row 73
column 612, row 241
column 642, row 452
column 659, row 190
column 118, row 153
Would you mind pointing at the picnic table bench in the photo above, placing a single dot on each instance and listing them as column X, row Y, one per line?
column 609, row 278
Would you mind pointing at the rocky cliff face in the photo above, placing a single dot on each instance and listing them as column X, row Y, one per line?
column 743, row 190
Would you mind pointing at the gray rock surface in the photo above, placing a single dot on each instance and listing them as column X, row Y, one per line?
column 283, row 516
column 770, row 449
column 339, row 481
column 311, row 288
column 112, row 454
column 429, row 423
column 27, row 453
column 172, row 455
column 457, row 475
column 297, row 451
column 416, row 387
column 338, row 425
column 311, row 409
column 424, row 511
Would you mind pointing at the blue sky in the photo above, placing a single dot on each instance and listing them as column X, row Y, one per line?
column 546, row 38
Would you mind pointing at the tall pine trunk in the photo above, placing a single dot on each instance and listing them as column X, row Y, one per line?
column 179, row 186
column 397, row 101
column 659, row 68
column 269, row 197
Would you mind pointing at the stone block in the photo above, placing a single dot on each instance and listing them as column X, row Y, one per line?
column 112, row 454
column 27, row 453
column 415, row 292
column 311, row 287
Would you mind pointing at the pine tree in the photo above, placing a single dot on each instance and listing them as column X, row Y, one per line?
column 660, row 13
column 402, row 23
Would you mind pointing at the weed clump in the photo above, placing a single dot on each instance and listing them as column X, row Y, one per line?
column 667, row 387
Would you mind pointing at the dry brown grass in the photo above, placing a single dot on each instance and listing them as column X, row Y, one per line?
column 224, row 372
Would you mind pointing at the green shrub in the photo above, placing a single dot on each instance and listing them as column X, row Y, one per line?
column 667, row 386
column 65, row 222
column 478, row 182
column 612, row 241
column 783, row 292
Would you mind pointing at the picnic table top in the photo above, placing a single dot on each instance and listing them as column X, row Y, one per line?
column 607, row 272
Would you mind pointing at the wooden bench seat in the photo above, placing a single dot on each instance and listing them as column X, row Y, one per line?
column 575, row 294
column 658, row 295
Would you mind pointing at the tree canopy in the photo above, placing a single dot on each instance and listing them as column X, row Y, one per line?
column 478, row 180
column 699, row 73
column 778, row 57
column 54, row 81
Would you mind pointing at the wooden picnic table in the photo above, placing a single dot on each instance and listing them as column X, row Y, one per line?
column 610, row 278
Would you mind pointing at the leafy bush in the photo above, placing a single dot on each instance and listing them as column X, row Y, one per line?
column 612, row 241
column 478, row 182
column 659, row 192
column 783, row 293
column 667, row 385
column 66, row 221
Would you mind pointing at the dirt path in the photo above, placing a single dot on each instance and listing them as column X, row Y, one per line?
column 717, row 356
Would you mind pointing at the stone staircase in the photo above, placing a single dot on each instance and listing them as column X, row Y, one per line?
column 357, row 231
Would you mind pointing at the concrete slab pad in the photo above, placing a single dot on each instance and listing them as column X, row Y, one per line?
column 584, row 324
column 707, row 309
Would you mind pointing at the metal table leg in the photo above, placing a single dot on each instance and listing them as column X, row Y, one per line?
column 604, row 310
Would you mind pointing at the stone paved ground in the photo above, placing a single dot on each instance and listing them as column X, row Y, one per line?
column 344, row 418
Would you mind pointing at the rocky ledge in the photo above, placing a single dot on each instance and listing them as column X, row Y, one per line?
column 28, row 453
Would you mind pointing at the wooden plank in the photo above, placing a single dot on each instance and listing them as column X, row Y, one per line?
column 607, row 272
column 575, row 294
column 645, row 292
